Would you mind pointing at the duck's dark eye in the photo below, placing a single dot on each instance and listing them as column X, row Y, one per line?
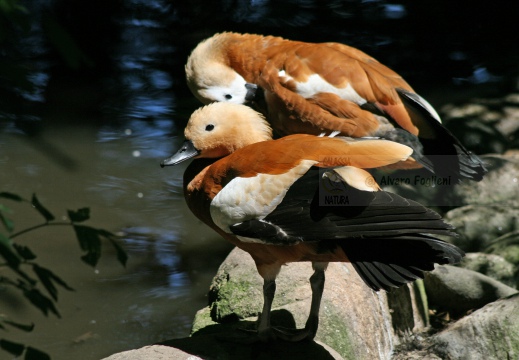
column 209, row 127
column 228, row 96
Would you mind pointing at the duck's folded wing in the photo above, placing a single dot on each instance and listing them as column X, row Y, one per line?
column 383, row 235
column 318, row 208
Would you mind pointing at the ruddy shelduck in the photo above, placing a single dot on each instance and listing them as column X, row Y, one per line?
column 305, row 198
column 324, row 87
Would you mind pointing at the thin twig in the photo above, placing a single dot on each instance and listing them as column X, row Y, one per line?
column 39, row 226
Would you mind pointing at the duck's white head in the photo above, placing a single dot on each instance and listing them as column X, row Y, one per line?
column 211, row 79
column 218, row 129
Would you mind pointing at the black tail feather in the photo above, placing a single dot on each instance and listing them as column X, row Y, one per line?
column 444, row 152
column 390, row 262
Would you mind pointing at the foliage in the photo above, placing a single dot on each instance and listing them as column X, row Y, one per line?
column 39, row 286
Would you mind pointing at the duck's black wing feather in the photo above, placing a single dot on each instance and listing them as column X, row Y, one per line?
column 382, row 234
column 444, row 154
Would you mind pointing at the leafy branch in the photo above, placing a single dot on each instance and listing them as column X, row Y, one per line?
column 37, row 284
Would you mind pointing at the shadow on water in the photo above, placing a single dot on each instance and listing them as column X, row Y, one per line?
column 93, row 96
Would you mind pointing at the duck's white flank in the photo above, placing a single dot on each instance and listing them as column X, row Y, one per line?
column 253, row 197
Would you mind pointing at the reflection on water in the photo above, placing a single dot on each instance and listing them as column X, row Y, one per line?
column 93, row 96
column 164, row 249
column 157, row 294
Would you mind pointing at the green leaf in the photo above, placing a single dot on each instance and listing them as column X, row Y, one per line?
column 24, row 327
column 8, row 253
column 11, row 196
column 48, row 278
column 41, row 301
column 11, row 347
column 8, row 224
column 42, row 210
column 90, row 242
column 11, row 6
column 79, row 215
column 35, row 354
column 64, row 43
column 24, row 252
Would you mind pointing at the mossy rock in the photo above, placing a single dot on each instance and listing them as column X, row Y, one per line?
column 491, row 265
column 491, row 332
column 355, row 321
column 478, row 226
column 459, row 290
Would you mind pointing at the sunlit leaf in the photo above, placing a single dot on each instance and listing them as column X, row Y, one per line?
column 90, row 242
column 79, row 215
column 24, row 252
column 8, row 253
column 12, row 347
column 48, row 278
column 41, row 301
column 24, row 327
column 10, row 196
column 35, row 354
column 42, row 210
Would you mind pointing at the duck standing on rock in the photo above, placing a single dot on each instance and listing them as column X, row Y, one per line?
column 325, row 87
column 305, row 198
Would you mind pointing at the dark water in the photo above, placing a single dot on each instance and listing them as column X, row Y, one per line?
column 92, row 97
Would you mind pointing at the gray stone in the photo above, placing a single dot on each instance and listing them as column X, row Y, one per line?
column 499, row 187
column 478, row 135
column 355, row 321
column 210, row 346
column 491, row 265
column 509, row 123
column 450, row 111
column 512, row 98
column 153, row 352
column 478, row 225
column 491, row 332
column 506, row 246
column 459, row 290
column 485, row 125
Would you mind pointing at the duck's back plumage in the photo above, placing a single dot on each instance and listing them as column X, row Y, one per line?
column 325, row 87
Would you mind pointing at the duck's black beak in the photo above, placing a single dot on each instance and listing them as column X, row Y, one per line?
column 186, row 152
column 251, row 91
